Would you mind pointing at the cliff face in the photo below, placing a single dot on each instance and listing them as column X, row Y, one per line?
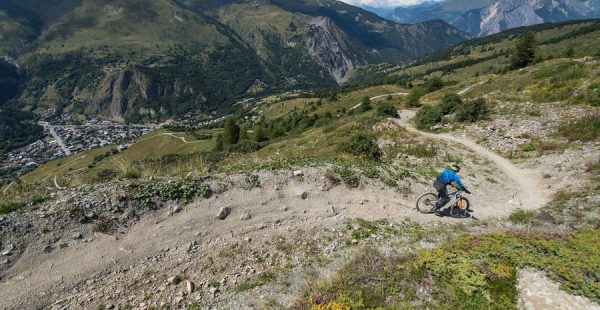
column 117, row 95
column 506, row 14
column 484, row 17
column 327, row 44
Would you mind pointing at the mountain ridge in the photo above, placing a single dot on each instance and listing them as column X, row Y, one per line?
column 217, row 51
column 487, row 17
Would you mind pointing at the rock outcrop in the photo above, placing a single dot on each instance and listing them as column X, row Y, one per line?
column 119, row 91
column 328, row 45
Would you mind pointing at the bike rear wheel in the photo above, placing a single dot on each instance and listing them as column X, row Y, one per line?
column 461, row 208
column 426, row 203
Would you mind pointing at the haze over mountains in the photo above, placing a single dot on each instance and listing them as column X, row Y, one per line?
column 484, row 17
column 132, row 60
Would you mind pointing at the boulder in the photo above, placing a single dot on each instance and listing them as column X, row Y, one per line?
column 224, row 213
column 190, row 286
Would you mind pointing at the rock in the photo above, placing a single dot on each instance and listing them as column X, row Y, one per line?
column 77, row 236
column 174, row 280
column 246, row 216
column 214, row 291
column 191, row 246
column 544, row 219
column 354, row 241
column 303, row 195
column 7, row 253
column 190, row 286
column 177, row 209
column 224, row 213
column 298, row 173
column 283, row 209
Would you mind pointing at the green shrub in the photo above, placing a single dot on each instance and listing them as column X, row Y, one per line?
column 261, row 279
column 586, row 128
column 365, row 104
column 529, row 146
column 521, row 216
column 348, row 176
column 184, row 190
column 434, row 84
column 245, row 146
column 362, row 146
column 473, row 110
column 106, row 175
column 450, row 103
column 471, row 272
column 428, row 116
column 387, row 109
column 593, row 94
column 420, row 150
column 533, row 112
column 413, row 100
column 104, row 225
column 9, row 207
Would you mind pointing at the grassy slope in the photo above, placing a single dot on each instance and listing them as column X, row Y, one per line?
column 152, row 146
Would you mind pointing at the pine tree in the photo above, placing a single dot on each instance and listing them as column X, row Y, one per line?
column 524, row 54
column 231, row 132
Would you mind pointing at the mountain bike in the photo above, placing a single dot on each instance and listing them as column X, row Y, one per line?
column 459, row 205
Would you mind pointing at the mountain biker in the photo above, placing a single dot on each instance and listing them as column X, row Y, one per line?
column 447, row 177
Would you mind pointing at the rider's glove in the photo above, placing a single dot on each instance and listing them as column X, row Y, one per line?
column 467, row 191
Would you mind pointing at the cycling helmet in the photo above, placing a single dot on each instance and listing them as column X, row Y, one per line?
column 455, row 168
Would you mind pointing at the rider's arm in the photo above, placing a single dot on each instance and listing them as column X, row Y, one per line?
column 456, row 179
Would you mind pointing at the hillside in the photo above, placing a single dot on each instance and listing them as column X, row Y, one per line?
column 135, row 61
column 308, row 202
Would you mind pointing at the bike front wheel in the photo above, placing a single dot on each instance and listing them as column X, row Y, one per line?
column 461, row 208
column 426, row 203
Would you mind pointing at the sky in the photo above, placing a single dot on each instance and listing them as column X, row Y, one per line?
column 384, row 3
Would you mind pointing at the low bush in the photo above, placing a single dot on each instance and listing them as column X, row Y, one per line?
column 586, row 128
column 362, row 146
column 106, row 175
column 450, row 103
column 593, row 94
column 428, row 116
column 420, row 150
column 261, row 279
column 245, row 146
column 184, row 190
column 348, row 176
column 414, row 97
column 387, row 110
column 471, row 272
column 9, row 207
column 473, row 110
column 521, row 216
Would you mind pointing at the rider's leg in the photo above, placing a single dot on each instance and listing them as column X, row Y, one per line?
column 443, row 197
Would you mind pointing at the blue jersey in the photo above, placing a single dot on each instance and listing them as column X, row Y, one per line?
column 448, row 176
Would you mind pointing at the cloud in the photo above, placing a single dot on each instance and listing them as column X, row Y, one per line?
column 385, row 3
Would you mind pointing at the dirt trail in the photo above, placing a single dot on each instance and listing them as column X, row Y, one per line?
column 531, row 192
column 468, row 88
column 170, row 134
